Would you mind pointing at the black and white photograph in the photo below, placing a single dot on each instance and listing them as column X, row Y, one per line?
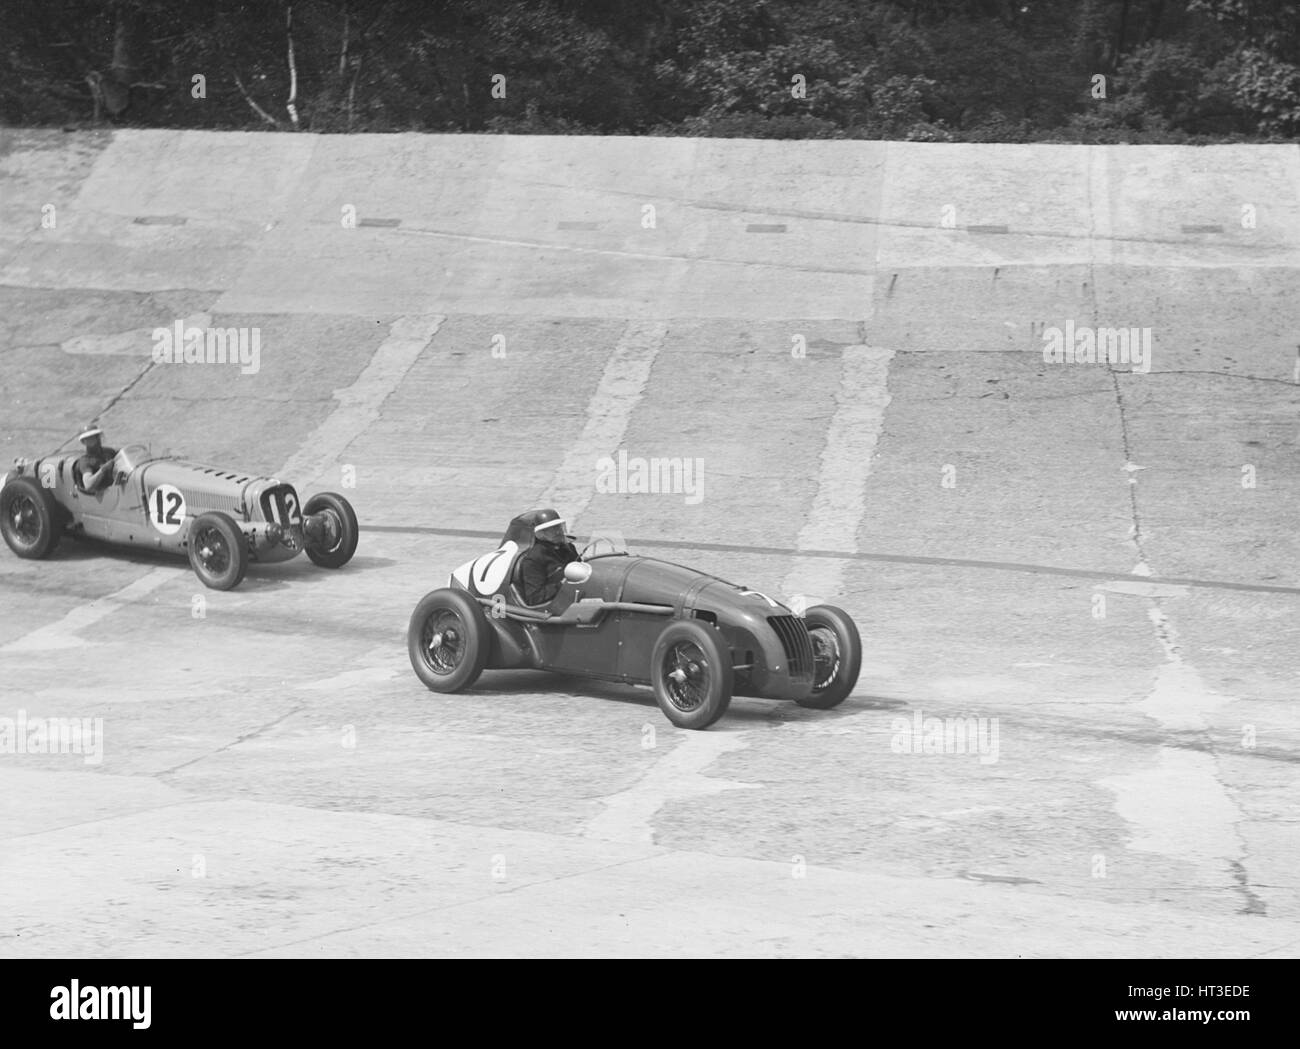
column 676, row 479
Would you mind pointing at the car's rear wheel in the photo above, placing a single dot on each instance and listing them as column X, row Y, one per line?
column 837, row 656
column 218, row 552
column 338, row 541
column 690, row 670
column 447, row 640
column 29, row 518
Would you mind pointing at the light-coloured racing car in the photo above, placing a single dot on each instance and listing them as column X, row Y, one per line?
column 221, row 519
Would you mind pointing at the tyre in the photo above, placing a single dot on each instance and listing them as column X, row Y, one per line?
column 30, row 519
column 340, row 541
column 218, row 552
column 448, row 640
column 837, row 656
column 690, row 671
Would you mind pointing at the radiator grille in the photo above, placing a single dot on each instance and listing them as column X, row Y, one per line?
column 796, row 642
column 197, row 502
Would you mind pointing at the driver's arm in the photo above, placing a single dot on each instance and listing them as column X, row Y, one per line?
column 100, row 475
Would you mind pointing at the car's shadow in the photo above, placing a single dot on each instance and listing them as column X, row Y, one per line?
column 520, row 682
column 92, row 550
column 744, row 710
column 274, row 576
column 301, row 572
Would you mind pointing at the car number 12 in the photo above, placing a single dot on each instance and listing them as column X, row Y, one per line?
column 166, row 509
column 284, row 509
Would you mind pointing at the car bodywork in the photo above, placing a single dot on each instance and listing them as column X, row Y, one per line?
column 607, row 625
column 151, row 501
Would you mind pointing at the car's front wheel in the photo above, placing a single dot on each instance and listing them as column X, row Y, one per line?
column 447, row 640
column 690, row 671
column 337, row 540
column 29, row 518
column 837, row 656
column 218, row 552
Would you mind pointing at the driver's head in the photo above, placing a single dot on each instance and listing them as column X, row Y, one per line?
column 550, row 528
column 92, row 439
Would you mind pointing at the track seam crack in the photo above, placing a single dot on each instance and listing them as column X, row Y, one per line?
column 233, row 743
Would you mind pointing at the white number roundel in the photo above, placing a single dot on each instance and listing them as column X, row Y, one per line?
column 166, row 509
column 484, row 575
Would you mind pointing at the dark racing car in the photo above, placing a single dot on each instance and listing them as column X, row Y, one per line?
column 693, row 638
column 220, row 519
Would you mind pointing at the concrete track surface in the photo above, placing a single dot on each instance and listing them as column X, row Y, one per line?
column 1100, row 563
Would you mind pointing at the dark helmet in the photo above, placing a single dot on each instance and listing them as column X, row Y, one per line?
column 91, row 437
column 548, row 526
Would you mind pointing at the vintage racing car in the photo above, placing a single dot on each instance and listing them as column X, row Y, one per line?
column 695, row 639
column 223, row 519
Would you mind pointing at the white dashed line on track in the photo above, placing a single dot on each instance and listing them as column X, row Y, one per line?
column 629, row 814
column 63, row 633
column 611, row 405
column 851, row 437
column 1153, row 800
column 359, row 403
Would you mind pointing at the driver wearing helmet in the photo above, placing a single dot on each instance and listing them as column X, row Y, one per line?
column 95, row 465
column 541, row 569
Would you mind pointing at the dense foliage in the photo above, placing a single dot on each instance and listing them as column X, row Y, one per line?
column 960, row 70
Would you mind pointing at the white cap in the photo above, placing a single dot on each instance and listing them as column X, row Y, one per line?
column 94, row 431
column 557, row 523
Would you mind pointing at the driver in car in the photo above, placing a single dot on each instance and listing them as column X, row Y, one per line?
column 541, row 569
column 96, row 464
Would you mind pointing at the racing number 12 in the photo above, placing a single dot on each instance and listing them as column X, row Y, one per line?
column 284, row 509
column 166, row 509
column 174, row 503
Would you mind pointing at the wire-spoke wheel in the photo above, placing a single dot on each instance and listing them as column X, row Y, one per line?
column 338, row 531
column 826, row 656
column 686, row 673
column 447, row 640
column 691, row 674
column 218, row 551
column 837, row 656
column 29, row 518
column 442, row 641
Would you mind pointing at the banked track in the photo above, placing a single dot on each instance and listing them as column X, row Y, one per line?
column 848, row 337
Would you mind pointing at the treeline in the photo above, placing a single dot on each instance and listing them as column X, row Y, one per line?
column 929, row 70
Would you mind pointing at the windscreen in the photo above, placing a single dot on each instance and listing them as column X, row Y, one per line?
column 130, row 458
column 602, row 542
